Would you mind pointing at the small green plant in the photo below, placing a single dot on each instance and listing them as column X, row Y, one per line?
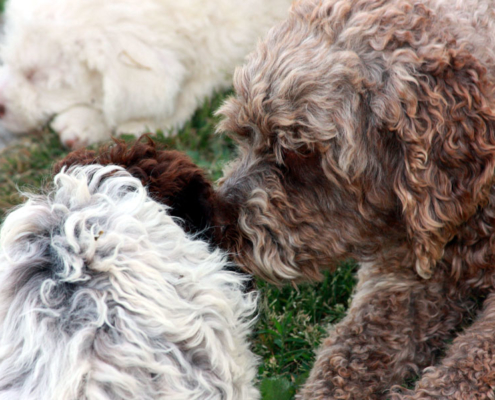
column 277, row 388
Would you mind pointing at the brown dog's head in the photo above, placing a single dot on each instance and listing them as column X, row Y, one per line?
column 170, row 176
column 365, row 129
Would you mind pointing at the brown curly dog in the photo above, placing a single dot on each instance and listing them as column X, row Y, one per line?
column 366, row 129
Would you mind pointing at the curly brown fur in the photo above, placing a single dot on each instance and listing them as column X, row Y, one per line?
column 170, row 176
column 366, row 129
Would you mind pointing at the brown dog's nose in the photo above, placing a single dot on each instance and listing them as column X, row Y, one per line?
column 2, row 110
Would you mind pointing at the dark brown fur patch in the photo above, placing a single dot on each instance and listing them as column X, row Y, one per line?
column 170, row 176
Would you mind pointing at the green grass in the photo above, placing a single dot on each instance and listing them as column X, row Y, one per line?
column 292, row 321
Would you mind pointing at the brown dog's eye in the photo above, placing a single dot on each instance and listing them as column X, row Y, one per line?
column 295, row 157
column 245, row 133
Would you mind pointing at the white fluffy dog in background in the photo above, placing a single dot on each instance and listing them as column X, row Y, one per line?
column 103, row 296
column 95, row 67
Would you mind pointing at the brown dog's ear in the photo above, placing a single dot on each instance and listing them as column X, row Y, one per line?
column 442, row 114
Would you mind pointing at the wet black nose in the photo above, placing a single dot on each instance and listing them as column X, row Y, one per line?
column 2, row 110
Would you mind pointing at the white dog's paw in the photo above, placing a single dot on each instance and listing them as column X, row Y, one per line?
column 136, row 128
column 80, row 126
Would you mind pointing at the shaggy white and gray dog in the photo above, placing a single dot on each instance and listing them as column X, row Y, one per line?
column 103, row 296
column 97, row 67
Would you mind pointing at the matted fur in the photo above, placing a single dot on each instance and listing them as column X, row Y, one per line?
column 366, row 129
column 93, row 67
column 104, row 296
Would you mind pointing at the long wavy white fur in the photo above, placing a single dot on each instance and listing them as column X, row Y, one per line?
column 103, row 296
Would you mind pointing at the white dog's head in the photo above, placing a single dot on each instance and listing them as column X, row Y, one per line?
column 42, row 72
column 99, row 57
column 103, row 296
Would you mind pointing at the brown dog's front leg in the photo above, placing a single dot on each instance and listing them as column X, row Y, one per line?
column 396, row 324
column 468, row 370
